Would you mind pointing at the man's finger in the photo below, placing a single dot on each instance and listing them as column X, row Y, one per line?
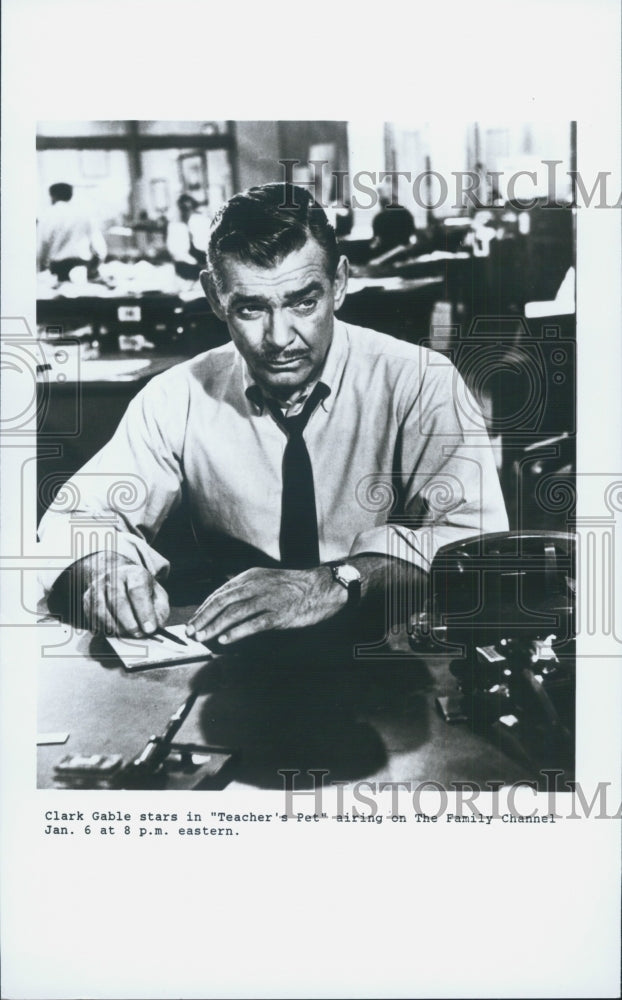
column 160, row 604
column 247, row 584
column 115, row 609
column 98, row 614
column 234, row 609
column 233, row 614
column 120, row 606
column 214, row 604
column 260, row 623
column 139, row 590
column 211, row 609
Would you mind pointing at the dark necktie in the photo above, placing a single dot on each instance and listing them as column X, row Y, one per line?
column 299, row 538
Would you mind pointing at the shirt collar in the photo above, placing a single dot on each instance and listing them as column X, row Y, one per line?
column 331, row 375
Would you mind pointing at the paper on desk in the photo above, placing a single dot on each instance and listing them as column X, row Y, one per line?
column 112, row 369
column 75, row 367
column 158, row 651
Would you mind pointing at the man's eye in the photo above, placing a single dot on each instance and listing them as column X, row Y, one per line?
column 305, row 306
column 248, row 312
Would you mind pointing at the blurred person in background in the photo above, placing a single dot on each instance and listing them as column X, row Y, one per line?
column 187, row 239
column 68, row 236
column 393, row 226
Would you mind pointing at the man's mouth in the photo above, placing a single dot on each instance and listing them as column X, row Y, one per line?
column 284, row 361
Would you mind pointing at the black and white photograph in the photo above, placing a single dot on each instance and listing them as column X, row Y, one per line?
column 316, row 411
column 311, row 501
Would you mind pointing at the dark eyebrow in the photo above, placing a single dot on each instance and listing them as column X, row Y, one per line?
column 246, row 300
column 313, row 286
column 249, row 300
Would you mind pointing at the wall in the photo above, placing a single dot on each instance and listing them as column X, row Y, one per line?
column 262, row 144
column 258, row 153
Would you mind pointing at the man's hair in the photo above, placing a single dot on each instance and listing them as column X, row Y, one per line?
column 187, row 199
column 262, row 225
column 61, row 192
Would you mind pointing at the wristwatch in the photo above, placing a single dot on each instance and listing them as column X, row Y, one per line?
column 349, row 577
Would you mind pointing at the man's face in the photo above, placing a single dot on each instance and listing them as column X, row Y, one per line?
column 185, row 210
column 281, row 318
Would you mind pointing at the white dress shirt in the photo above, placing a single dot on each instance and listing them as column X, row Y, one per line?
column 66, row 231
column 182, row 235
column 401, row 460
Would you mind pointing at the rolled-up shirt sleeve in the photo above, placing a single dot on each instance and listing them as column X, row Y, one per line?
column 446, row 487
column 118, row 501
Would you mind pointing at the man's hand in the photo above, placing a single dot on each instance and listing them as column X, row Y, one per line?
column 122, row 598
column 260, row 600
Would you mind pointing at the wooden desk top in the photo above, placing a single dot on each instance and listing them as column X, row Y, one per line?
column 371, row 719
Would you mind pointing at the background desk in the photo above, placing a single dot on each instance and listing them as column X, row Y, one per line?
column 399, row 305
column 370, row 719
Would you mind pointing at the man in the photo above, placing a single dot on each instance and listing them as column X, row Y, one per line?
column 187, row 240
column 67, row 237
column 386, row 458
column 393, row 226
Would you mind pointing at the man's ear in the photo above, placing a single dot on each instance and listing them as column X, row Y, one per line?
column 340, row 284
column 209, row 287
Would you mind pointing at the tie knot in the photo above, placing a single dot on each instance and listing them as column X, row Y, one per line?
column 296, row 425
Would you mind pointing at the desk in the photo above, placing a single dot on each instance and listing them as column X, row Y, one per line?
column 369, row 719
column 185, row 323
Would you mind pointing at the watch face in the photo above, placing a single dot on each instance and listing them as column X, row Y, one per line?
column 348, row 574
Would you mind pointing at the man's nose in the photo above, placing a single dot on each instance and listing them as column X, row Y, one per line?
column 278, row 329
